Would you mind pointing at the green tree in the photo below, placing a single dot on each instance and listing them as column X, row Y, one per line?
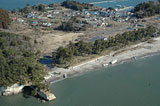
column 64, row 55
column 41, row 7
column 18, row 64
column 4, row 19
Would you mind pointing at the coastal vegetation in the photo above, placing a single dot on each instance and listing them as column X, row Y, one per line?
column 18, row 61
column 64, row 56
column 110, row 9
column 76, row 5
column 147, row 9
column 73, row 24
column 28, row 8
column 4, row 19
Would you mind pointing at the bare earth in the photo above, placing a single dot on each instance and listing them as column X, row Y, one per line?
column 48, row 40
column 122, row 55
column 43, row 39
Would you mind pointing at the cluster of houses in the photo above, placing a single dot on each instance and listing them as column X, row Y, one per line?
column 99, row 17
column 37, row 18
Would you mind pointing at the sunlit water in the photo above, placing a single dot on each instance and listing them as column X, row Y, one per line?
column 131, row 84
column 14, row 4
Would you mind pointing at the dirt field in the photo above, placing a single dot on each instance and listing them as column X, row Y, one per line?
column 47, row 40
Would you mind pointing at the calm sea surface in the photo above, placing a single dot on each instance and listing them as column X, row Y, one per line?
column 14, row 4
column 130, row 84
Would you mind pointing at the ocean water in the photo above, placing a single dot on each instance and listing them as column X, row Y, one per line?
column 130, row 84
column 14, row 4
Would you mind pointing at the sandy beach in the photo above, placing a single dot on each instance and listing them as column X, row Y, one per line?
column 123, row 55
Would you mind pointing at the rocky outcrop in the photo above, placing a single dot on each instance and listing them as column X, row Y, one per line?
column 17, row 88
column 46, row 95
column 14, row 89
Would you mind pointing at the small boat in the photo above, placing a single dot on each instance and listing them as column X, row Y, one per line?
column 119, row 6
column 105, row 65
column 134, row 57
column 113, row 62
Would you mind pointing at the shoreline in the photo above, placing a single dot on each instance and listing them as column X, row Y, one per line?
column 140, row 50
column 118, row 63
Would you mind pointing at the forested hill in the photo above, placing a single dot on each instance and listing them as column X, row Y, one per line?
column 147, row 9
column 74, row 24
column 18, row 62
column 4, row 19
column 76, row 5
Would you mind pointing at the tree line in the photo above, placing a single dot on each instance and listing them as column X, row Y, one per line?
column 28, row 8
column 65, row 55
column 4, row 19
column 73, row 24
column 76, row 5
column 147, row 9
column 18, row 62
